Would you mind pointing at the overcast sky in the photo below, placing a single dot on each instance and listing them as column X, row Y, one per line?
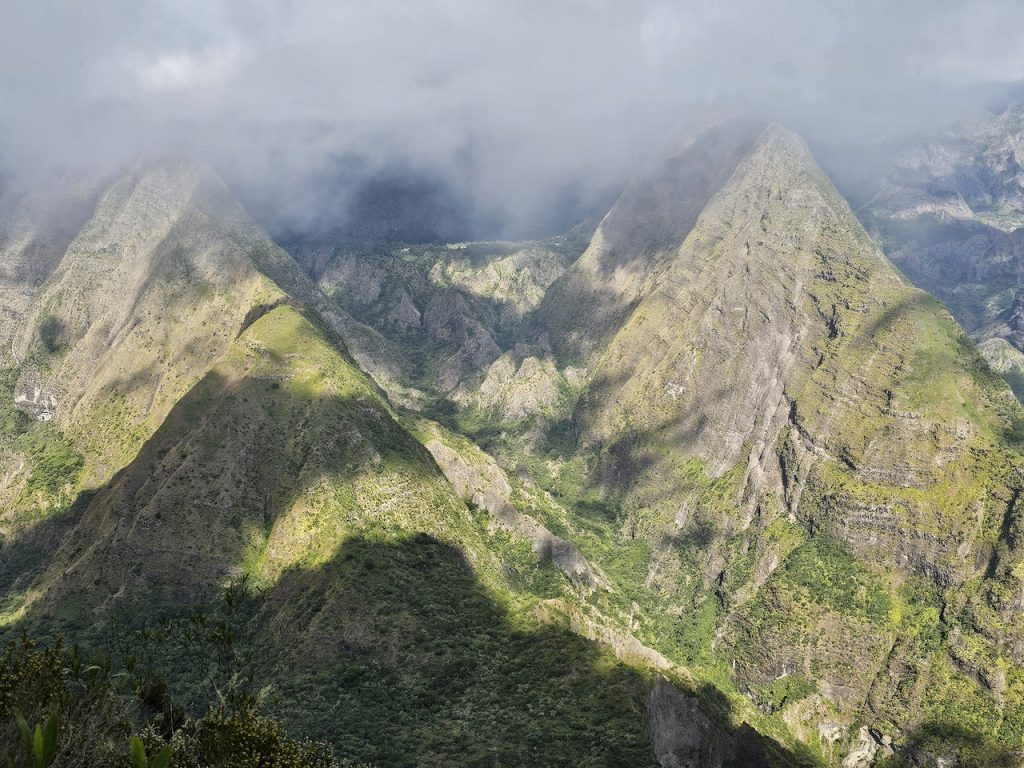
column 516, row 103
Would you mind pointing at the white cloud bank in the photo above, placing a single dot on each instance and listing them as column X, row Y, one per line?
column 515, row 102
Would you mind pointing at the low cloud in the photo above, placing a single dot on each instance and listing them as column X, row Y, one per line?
column 185, row 70
column 519, row 107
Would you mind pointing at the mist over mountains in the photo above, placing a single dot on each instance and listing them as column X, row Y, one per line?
column 516, row 108
column 484, row 384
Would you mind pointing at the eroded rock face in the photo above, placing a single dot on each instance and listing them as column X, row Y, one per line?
column 361, row 279
column 868, row 748
column 516, row 283
column 974, row 171
column 449, row 318
column 404, row 311
column 38, row 404
column 711, row 349
column 466, row 303
column 778, row 314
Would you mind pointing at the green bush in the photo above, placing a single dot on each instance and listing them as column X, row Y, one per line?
column 40, row 743
column 81, row 714
column 86, row 714
column 785, row 689
column 223, row 739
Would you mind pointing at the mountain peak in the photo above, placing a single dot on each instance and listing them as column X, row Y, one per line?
column 776, row 373
column 782, row 154
column 648, row 222
column 776, row 301
column 778, row 138
column 145, row 298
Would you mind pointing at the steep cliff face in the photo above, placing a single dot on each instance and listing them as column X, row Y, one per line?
column 779, row 330
column 739, row 311
column 798, row 435
column 684, row 735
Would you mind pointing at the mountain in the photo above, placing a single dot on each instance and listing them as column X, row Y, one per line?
column 187, row 409
column 786, row 407
column 972, row 172
column 709, row 484
column 148, row 295
column 795, row 471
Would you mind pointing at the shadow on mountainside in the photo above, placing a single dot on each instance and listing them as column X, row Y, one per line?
column 634, row 452
column 398, row 654
column 401, row 657
column 240, row 449
column 23, row 558
column 385, row 641
column 686, row 728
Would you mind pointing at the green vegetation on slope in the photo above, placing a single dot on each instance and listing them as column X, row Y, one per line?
column 42, row 465
column 412, row 662
column 389, row 626
column 784, row 468
column 54, row 462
